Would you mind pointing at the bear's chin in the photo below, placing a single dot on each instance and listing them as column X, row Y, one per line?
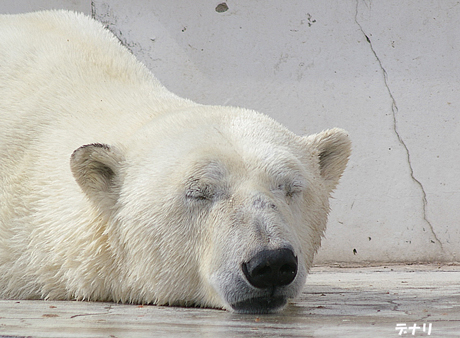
column 260, row 305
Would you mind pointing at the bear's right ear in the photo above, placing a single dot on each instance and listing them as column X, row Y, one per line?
column 332, row 148
column 96, row 168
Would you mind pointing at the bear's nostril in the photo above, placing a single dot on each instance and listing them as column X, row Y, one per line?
column 263, row 271
column 269, row 268
column 287, row 270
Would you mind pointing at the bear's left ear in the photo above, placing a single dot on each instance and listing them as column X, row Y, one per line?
column 97, row 170
column 333, row 147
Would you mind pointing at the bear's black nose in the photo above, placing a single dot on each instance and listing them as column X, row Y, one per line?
column 270, row 268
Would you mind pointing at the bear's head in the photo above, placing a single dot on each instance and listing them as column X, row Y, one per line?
column 211, row 207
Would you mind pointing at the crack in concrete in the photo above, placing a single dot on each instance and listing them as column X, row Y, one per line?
column 394, row 110
column 93, row 10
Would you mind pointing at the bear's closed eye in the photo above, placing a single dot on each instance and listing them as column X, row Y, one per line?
column 290, row 188
column 200, row 192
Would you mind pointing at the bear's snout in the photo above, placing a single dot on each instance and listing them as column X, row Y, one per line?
column 271, row 268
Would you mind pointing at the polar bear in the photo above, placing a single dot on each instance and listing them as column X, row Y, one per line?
column 114, row 189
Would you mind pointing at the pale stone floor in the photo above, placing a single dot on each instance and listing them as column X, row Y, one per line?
column 336, row 302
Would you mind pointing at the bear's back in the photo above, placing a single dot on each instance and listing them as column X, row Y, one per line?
column 63, row 74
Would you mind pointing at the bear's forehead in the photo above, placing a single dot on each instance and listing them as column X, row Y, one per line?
column 217, row 144
column 217, row 163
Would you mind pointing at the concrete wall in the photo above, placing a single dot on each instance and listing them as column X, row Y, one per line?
column 387, row 71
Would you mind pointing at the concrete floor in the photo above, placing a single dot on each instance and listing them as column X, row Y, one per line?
column 336, row 302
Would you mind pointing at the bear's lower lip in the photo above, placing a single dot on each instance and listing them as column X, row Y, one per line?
column 260, row 305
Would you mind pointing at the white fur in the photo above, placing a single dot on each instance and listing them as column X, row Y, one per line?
column 167, row 199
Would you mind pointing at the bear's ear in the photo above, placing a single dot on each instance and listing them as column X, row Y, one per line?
column 333, row 147
column 96, row 168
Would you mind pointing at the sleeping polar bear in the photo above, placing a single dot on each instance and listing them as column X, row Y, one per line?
column 114, row 189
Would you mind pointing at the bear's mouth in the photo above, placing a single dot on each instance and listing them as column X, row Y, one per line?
column 260, row 305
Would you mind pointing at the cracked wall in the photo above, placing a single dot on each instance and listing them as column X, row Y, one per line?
column 394, row 112
column 414, row 43
column 385, row 71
